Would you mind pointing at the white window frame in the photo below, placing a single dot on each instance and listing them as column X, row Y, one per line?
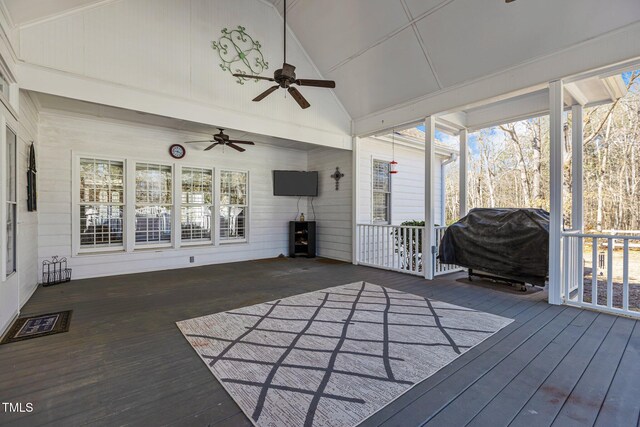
column 179, row 205
column 374, row 191
column 175, row 204
column 76, row 202
column 4, row 275
column 218, row 205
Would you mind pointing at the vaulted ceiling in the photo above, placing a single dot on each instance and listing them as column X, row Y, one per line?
column 385, row 53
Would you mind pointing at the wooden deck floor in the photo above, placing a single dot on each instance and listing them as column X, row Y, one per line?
column 124, row 362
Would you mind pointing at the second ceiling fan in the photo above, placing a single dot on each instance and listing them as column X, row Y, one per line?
column 223, row 139
column 285, row 77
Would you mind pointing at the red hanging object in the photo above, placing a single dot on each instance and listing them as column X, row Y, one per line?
column 393, row 167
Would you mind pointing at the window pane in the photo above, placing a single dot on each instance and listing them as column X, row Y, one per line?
column 232, row 222
column 233, row 202
column 381, row 207
column 100, row 225
column 153, row 224
column 381, row 176
column 101, row 181
column 11, row 238
column 153, row 184
column 11, row 166
column 196, row 223
column 197, row 186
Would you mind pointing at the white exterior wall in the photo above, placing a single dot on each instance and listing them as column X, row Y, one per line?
column 63, row 135
column 407, row 186
column 332, row 208
column 155, row 56
column 28, row 221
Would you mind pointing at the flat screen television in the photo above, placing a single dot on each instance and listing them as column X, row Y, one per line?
column 295, row 183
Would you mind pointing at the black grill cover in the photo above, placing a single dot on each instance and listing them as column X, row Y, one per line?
column 512, row 243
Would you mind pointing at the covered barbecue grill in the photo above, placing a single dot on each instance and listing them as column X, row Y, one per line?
column 507, row 242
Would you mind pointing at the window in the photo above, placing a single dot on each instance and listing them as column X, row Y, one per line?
column 101, row 203
column 381, row 206
column 197, row 197
column 154, row 200
column 233, row 205
column 11, row 202
column 4, row 86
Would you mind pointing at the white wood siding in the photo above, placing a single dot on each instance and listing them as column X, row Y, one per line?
column 28, row 221
column 332, row 208
column 62, row 135
column 163, row 47
column 407, row 186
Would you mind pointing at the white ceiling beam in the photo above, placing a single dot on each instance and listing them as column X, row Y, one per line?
column 615, row 47
column 576, row 94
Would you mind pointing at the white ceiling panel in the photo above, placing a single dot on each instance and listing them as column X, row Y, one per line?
column 389, row 73
column 25, row 11
column 467, row 39
column 331, row 31
column 419, row 7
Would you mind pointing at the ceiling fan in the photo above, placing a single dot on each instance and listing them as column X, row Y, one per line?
column 285, row 77
column 223, row 139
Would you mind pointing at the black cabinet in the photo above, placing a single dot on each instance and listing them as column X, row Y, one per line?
column 302, row 238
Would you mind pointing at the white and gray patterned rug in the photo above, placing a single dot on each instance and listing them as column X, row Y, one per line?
column 333, row 357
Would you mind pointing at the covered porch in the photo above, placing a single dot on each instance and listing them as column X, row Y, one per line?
column 125, row 362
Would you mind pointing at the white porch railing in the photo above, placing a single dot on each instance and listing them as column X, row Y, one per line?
column 397, row 248
column 440, row 268
column 609, row 287
column 391, row 247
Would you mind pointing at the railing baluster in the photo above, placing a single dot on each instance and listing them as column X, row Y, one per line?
column 609, row 272
column 580, row 270
column 416, row 249
column 594, row 272
column 625, row 276
column 565, row 266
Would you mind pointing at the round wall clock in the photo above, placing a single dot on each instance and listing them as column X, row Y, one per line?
column 177, row 151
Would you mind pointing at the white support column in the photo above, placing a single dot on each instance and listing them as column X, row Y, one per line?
column 556, row 104
column 428, row 257
column 463, row 172
column 355, row 202
column 577, row 190
column 577, row 150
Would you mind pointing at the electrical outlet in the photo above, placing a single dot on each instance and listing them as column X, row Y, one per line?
column 192, row 259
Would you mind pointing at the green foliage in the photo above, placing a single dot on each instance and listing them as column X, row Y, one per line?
column 404, row 244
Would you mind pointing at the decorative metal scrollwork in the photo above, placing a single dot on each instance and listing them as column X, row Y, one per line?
column 240, row 53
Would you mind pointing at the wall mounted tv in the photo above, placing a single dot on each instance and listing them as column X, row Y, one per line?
column 295, row 183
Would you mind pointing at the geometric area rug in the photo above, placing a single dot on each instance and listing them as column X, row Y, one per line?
column 333, row 357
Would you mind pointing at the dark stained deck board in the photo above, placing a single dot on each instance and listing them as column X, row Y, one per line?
column 504, row 405
column 546, row 403
column 584, row 403
column 124, row 362
column 469, row 402
column 622, row 403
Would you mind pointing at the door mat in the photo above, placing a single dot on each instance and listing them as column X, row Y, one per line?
column 35, row 326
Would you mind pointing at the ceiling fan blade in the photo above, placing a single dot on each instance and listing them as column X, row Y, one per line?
column 266, row 93
column 191, row 142
column 302, row 102
column 246, row 76
column 242, row 142
column 235, row 147
column 211, row 146
column 316, row 83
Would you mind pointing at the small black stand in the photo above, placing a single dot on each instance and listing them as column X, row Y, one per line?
column 302, row 239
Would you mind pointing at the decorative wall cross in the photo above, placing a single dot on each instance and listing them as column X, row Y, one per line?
column 337, row 175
